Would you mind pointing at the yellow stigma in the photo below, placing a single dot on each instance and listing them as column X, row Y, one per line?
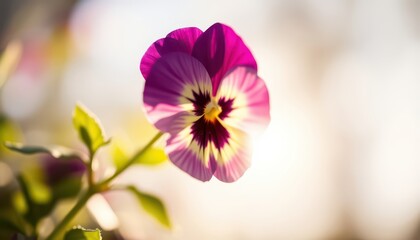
column 212, row 111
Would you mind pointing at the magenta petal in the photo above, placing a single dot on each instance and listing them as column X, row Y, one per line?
column 180, row 40
column 170, row 87
column 188, row 36
column 249, row 104
column 185, row 152
column 156, row 51
column 220, row 49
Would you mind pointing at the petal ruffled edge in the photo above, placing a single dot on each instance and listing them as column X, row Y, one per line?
column 227, row 164
column 220, row 49
column 180, row 40
column 188, row 36
column 250, row 110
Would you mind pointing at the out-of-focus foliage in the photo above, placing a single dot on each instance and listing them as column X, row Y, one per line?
column 8, row 132
column 37, row 198
column 56, row 173
column 11, row 221
column 80, row 233
column 55, row 151
column 44, row 187
column 36, row 47
column 152, row 156
column 152, row 205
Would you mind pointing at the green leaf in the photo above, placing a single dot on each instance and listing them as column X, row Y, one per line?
column 37, row 197
column 8, row 132
column 89, row 129
column 26, row 192
column 11, row 219
column 80, row 233
column 6, row 224
column 19, row 202
column 152, row 205
column 55, row 151
column 152, row 156
column 67, row 188
column 118, row 155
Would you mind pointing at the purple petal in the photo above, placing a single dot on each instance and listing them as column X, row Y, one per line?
column 220, row 49
column 204, row 132
column 180, row 40
column 186, row 153
column 234, row 158
column 246, row 100
column 170, row 87
column 188, row 36
column 58, row 169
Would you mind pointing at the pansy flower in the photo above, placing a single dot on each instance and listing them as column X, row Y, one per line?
column 202, row 88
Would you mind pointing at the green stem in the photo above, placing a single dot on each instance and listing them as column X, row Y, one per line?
column 98, row 187
column 133, row 159
column 90, row 170
column 73, row 212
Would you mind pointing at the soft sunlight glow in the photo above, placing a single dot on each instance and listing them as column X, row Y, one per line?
column 102, row 212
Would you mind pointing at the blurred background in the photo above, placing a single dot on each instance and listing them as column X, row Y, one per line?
column 340, row 159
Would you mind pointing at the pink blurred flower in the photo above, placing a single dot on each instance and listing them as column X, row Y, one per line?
column 203, row 89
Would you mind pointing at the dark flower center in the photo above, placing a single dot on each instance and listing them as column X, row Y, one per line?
column 208, row 127
column 212, row 111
